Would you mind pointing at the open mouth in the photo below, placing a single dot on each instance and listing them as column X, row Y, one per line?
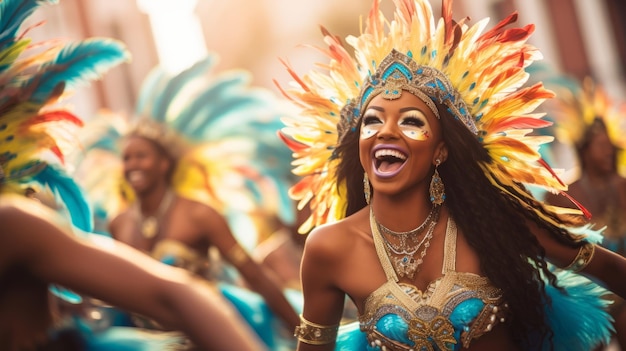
column 135, row 176
column 388, row 162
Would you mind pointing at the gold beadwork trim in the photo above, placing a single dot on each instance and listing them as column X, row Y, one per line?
column 315, row 334
column 582, row 259
column 237, row 255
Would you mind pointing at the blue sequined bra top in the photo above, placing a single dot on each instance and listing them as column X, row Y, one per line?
column 454, row 309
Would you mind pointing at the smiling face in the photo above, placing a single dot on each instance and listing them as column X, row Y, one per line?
column 600, row 153
column 145, row 167
column 399, row 142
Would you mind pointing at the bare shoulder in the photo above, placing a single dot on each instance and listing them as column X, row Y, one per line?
column 197, row 210
column 330, row 242
column 123, row 219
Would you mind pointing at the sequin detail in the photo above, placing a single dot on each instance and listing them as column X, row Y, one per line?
column 451, row 312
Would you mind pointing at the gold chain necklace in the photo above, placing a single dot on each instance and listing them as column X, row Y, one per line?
column 150, row 224
column 404, row 237
column 406, row 265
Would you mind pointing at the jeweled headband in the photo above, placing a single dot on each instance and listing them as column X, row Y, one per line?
column 398, row 72
column 167, row 140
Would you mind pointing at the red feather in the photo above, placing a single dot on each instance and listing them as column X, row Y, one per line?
column 55, row 150
column 54, row 116
column 516, row 34
column 292, row 144
column 585, row 211
column 495, row 32
column 294, row 75
column 547, row 167
column 508, row 123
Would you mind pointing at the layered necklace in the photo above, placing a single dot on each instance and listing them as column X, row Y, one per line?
column 401, row 247
column 150, row 224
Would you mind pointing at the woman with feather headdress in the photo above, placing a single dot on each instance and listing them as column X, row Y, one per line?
column 415, row 152
column 592, row 124
column 200, row 167
column 38, row 246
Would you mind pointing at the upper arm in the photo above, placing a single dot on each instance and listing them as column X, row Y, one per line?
column 218, row 234
column 111, row 271
column 214, row 226
column 558, row 253
column 323, row 300
column 606, row 266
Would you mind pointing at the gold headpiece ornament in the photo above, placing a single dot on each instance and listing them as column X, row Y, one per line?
column 171, row 143
column 477, row 76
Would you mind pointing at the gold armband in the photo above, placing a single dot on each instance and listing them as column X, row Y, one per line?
column 582, row 259
column 237, row 255
column 315, row 334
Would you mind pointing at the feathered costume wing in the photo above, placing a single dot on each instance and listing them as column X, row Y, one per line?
column 35, row 132
column 488, row 70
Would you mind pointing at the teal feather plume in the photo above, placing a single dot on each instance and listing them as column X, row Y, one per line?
column 177, row 85
column 13, row 13
column 578, row 317
column 202, row 109
column 210, row 121
column 69, row 193
column 153, row 84
column 77, row 64
column 109, row 141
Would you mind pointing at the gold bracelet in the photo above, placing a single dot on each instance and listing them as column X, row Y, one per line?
column 582, row 259
column 315, row 334
column 237, row 255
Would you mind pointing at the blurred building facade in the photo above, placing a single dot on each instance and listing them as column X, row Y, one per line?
column 578, row 37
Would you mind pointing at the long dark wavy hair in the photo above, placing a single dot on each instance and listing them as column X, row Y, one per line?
column 494, row 224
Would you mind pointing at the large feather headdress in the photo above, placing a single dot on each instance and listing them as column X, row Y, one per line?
column 36, row 132
column 220, row 130
column 484, row 69
column 578, row 105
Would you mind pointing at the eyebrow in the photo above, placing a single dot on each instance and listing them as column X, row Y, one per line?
column 404, row 109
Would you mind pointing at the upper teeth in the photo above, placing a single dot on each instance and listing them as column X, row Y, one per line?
column 135, row 175
column 389, row 152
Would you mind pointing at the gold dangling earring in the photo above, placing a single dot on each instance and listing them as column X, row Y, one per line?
column 437, row 190
column 366, row 188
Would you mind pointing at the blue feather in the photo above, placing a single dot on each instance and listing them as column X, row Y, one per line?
column 177, row 83
column 578, row 317
column 108, row 141
column 152, row 85
column 70, row 193
column 77, row 64
column 203, row 107
column 12, row 16
column 220, row 116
